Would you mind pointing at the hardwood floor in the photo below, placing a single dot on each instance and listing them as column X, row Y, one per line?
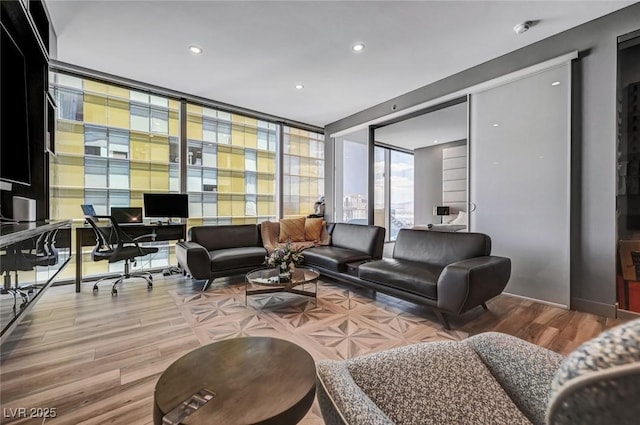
column 95, row 359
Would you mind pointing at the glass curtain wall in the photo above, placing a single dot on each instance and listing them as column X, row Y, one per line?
column 231, row 167
column 394, row 198
column 112, row 145
column 303, row 171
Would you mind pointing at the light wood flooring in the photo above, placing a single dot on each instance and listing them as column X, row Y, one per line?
column 96, row 358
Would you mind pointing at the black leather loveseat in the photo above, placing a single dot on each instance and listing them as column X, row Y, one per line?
column 450, row 271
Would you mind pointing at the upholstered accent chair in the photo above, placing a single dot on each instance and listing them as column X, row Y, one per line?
column 490, row 378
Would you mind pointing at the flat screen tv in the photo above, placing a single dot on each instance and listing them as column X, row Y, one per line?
column 166, row 205
column 14, row 113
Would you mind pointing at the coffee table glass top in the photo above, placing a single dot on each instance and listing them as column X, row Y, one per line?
column 270, row 277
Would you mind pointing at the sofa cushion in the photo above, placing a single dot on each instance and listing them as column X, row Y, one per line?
column 313, row 229
column 292, row 229
column 440, row 248
column 234, row 258
column 230, row 236
column 332, row 258
column 523, row 369
column 357, row 237
column 419, row 278
column 434, row 383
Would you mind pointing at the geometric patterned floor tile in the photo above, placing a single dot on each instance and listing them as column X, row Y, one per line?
column 346, row 321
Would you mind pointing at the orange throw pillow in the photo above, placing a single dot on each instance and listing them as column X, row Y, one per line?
column 292, row 229
column 312, row 229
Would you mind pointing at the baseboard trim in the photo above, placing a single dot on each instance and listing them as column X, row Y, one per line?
column 563, row 306
column 593, row 307
column 628, row 315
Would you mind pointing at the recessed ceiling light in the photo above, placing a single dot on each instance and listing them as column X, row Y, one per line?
column 555, row 83
column 299, row 86
column 496, row 125
column 196, row 50
column 435, row 141
column 358, row 47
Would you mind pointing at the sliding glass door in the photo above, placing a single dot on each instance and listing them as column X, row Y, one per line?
column 520, row 179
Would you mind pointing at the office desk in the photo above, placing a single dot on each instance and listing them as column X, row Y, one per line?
column 85, row 236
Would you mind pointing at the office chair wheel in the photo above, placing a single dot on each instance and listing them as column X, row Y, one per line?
column 149, row 285
column 114, row 292
column 95, row 288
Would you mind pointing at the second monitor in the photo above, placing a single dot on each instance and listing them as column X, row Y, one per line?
column 166, row 205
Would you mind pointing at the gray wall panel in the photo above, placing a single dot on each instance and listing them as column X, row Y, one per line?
column 594, row 137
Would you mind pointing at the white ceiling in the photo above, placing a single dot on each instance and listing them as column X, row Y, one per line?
column 442, row 126
column 256, row 51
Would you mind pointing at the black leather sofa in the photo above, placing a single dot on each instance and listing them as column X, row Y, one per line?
column 451, row 272
column 216, row 251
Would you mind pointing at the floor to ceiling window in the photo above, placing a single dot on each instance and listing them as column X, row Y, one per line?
column 394, row 197
column 231, row 167
column 303, row 171
column 112, row 145
column 115, row 143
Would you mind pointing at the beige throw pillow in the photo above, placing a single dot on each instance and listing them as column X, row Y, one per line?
column 313, row 229
column 292, row 229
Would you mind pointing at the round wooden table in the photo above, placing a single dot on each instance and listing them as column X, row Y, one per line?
column 253, row 380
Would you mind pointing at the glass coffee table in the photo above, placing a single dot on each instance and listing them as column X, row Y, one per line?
column 268, row 280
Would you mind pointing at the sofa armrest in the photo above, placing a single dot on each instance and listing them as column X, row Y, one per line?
column 523, row 369
column 194, row 259
column 468, row 283
column 342, row 401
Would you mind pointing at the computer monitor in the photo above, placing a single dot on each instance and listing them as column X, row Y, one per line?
column 127, row 215
column 166, row 205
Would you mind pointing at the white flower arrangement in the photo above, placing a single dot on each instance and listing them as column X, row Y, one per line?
column 284, row 257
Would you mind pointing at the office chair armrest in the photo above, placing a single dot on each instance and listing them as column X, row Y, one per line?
column 151, row 236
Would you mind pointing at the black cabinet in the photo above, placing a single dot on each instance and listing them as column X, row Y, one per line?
column 27, row 23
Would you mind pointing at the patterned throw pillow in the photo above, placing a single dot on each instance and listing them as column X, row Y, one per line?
column 313, row 229
column 615, row 347
column 292, row 229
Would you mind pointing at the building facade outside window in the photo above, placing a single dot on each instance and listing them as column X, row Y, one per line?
column 114, row 143
column 303, row 171
column 231, row 167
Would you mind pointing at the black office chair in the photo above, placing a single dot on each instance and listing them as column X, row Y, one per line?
column 113, row 244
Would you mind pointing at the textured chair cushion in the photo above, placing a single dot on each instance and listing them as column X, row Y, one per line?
column 617, row 346
column 292, row 229
column 600, row 381
column 431, row 383
column 523, row 369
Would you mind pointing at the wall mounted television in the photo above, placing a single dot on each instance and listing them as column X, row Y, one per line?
column 15, row 164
